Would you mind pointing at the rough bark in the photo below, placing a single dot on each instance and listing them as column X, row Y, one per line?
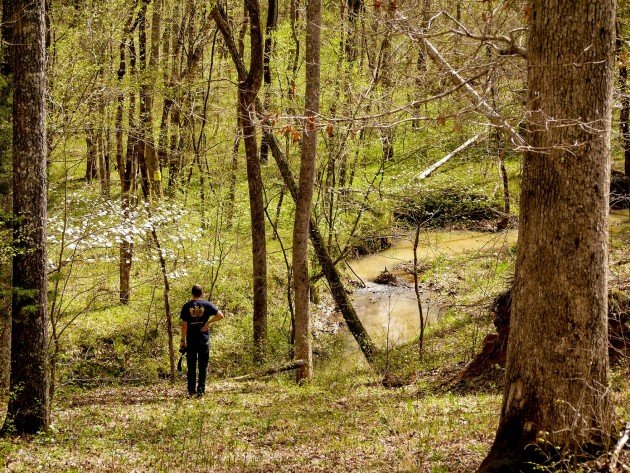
column 301, row 283
column 557, row 368
column 29, row 407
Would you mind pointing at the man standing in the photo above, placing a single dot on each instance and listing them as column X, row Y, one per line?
column 196, row 317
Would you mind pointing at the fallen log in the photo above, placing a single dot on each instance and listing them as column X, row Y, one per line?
column 291, row 365
column 428, row 171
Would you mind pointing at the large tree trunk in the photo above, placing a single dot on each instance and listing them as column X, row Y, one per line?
column 29, row 407
column 557, row 363
column 5, row 206
column 301, row 282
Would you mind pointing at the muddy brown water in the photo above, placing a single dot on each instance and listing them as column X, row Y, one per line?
column 390, row 313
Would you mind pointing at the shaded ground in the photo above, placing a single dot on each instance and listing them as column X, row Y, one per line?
column 260, row 426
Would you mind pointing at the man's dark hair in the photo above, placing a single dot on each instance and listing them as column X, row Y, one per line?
column 197, row 290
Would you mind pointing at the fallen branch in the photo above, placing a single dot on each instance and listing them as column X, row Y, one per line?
column 614, row 458
column 428, row 171
column 291, row 365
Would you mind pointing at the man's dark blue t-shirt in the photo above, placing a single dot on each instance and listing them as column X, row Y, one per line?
column 196, row 313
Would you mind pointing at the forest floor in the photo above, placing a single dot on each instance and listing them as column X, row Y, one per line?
column 261, row 426
column 334, row 424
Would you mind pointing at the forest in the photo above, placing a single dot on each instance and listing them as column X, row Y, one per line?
column 315, row 235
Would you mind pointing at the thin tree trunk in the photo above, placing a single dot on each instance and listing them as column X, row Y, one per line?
column 301, row 282
column 24, row 31
column 416, row 287
column 102, row 151
column 249, row 84
column 295, row 51
column 496, row 132
column 421, row 65
column 146, row 102
column 91, row 169
column 127, row 176
column 231, row 199
column 355, row 7
column 557, row 396
column 270, row 27
column 167, row 302
column 331, row 274
column 143, row 136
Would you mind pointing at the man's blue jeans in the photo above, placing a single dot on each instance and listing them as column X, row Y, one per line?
column 197, row 354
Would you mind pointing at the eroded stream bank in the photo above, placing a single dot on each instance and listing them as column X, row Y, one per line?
column 390, row 313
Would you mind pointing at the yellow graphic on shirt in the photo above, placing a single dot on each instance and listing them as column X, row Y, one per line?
column 196, row 311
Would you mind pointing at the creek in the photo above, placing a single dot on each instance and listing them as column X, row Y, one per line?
column 390, row 312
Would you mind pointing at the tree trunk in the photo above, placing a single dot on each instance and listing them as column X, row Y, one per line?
column 143, row 138
column 29, row 407
column 247, row 93
column 127, row 171
column 231, row 198
column 301, row 282
column 557, row 364
column 102, row 150
column 270, row 27
column 147, row 91
column 167, row 302
column 355, row 8
column 337, row 288
column 91, row 170
column 421, row 65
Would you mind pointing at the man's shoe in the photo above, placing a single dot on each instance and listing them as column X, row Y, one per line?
column 200, row 393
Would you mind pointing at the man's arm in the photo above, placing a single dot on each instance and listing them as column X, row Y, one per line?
column 213, row 320
column 182, row 342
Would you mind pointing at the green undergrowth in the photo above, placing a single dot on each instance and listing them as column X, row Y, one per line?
column 334, row 424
